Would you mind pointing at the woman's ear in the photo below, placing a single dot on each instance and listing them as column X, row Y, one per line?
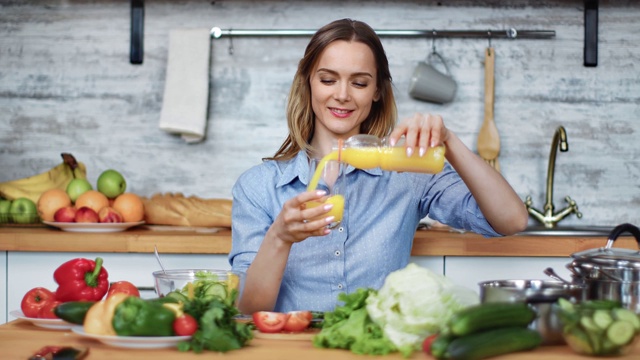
column 376, row 96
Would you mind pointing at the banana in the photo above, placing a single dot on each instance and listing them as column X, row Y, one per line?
column 57, row 177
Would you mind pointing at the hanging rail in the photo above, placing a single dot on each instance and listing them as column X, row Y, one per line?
column 510, row 33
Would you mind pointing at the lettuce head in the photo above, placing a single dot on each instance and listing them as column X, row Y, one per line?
column 415, row 302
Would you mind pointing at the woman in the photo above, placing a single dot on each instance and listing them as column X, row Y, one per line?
column 342, row 88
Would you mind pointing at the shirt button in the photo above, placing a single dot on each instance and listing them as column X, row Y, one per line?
column 340, row 229
column 339, row 286
column 337, row 253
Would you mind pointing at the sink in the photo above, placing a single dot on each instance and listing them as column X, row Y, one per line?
column 540, row 230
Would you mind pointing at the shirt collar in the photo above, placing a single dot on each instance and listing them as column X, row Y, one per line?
column 298, row 167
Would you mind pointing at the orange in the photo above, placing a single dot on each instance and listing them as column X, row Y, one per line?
column 130, row 206
column 50, row 201
column 93, row 199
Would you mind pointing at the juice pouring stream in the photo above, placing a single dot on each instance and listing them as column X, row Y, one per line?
column 368, row 152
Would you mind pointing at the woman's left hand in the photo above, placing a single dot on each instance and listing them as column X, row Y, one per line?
column 422, row 131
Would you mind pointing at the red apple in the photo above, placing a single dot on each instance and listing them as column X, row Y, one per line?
column 109, row 215
column 86, row 215
column 65, row 214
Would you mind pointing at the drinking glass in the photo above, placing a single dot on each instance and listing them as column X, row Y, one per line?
column 328, row 175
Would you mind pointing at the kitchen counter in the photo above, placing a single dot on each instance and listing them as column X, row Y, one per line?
column 19, row 339
column 426, row 242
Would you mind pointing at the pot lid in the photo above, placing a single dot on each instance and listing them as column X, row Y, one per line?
column 610, row 257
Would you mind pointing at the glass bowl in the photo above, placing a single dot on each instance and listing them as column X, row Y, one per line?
column 203, row 283
column 598, row 327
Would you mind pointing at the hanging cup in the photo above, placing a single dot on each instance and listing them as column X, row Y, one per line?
column 430, row 84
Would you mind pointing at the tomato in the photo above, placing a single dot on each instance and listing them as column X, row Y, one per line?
column 35, row 299
column 185, row 325
column 426, row 344
column 123, row 287
column 269, row 321
column 298, row 321
column 46, row 311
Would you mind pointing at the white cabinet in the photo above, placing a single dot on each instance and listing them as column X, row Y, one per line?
column 469, row 271
column 3, row 287
column 433, row 263
column 26, row 270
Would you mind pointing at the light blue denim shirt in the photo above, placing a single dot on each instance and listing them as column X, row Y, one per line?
column 381, row 214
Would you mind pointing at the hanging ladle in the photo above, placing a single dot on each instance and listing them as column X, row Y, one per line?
column 155, row 249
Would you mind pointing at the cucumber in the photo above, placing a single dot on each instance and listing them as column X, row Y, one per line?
column 493, row 342
column 620, row 332
column 602, row 318
column 628, row 315
column 73, row 311
column 440, row 345
column 489, row 316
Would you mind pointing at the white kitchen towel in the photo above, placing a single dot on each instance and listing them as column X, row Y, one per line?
column 186, row 88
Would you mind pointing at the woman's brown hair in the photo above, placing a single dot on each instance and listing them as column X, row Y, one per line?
column 300, row 116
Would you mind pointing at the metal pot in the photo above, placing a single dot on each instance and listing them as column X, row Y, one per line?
column 609, row 273
column 540, row 295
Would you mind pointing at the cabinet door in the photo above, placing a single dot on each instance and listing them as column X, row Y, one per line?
column 433, row 263
column 3, row 288
column 469, row 271
column 26, row 270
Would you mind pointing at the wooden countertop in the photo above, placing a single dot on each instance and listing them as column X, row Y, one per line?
column 426, row 242
column 19, row 339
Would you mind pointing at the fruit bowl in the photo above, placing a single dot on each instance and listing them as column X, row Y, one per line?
column 224, row 284
column 598, row 327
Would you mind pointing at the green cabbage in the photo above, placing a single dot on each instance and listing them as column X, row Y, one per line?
column 414, row 303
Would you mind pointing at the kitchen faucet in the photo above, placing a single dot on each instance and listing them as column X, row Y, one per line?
column 549, row 219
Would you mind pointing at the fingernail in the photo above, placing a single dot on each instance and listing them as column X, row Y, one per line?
column 392, row 142
column 328, row 207
column 409, row 151
column 327, row 231
column 329, row 219
column 422, row 151
column 433, row 144
column 321, row 193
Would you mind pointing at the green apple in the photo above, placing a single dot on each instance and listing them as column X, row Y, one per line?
column 23, row 211
column 77, row 187
column 4, row 210
column 111, row 183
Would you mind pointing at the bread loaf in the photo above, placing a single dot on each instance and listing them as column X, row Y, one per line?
column 176, row 209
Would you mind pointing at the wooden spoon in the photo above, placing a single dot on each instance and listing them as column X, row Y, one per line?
column 488, row 137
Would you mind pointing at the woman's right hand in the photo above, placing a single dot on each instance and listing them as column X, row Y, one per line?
column 293, row 224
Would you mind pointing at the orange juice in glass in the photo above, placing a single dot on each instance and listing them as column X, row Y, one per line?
column 328, row 174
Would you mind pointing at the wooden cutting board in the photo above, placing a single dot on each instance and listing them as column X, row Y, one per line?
column 306, row 335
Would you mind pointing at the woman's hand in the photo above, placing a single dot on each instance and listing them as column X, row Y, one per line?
column 422, row 131
column 293, row 224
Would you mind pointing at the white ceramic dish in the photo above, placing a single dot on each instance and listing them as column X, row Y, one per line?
column 53, row 324
column 133, row 342
column 93, row 227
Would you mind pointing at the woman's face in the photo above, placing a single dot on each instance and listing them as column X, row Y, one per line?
column 343, row 88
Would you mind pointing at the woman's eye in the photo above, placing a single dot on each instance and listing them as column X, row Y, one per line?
column 359, row 84
column 327, row 81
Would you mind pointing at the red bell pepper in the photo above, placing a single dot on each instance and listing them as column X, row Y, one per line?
column 81, row 280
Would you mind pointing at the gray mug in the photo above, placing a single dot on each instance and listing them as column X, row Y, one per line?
column 430, row 84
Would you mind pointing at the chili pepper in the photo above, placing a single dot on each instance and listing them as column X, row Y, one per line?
column 139, row 317
column 81, row 280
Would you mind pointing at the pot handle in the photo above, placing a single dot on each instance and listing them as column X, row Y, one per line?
column 618, row 230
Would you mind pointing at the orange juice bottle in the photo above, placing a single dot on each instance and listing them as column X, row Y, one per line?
column 368, row 151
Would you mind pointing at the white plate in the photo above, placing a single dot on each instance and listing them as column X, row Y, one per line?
column 93, row 227
column 54, row 324
column 134, row 342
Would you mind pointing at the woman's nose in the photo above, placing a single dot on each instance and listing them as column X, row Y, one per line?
column 342, row 93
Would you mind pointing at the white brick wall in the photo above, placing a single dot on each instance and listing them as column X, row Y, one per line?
column 66, row 84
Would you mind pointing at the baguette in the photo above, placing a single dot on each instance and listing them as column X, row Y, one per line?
column 176, row 209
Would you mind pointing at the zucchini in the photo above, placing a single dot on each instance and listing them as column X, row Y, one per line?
column 493, row 342
column 73, row 311
column 489, row 316
column 620, row 332
column 628, row 315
